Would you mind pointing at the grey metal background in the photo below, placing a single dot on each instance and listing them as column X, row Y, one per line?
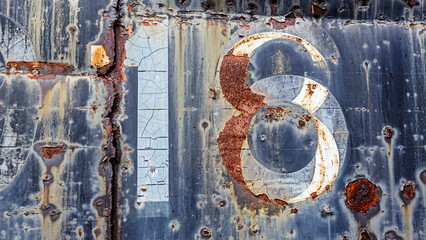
column 379, row 81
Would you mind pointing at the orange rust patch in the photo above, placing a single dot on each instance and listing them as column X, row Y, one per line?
column 126, row 148
column 311, row 88
column 307, row 118
column 99, row 57
column 408, row 191
column 49, row 152
column 129, row 29
column 318, row 8
column 314, row 195
column 280, row 202
column 276, row 113
column 293, row 210
column 231, row 138
column 39, row 70
column 282, row 25
column 361, row 194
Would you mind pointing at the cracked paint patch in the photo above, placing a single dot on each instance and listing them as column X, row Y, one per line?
column 148, row 50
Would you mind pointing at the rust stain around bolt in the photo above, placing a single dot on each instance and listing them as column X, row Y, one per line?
column 361, row 195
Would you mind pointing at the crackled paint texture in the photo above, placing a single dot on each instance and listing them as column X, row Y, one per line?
column 168, row 119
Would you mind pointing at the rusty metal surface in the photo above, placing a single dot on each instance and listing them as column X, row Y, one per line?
column 186, row 119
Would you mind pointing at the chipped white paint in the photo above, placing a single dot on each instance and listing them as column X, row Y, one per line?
column 312, row 95
column 326, row 163
column 249, row 44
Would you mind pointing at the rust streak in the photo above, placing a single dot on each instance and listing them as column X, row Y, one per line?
column 39, row 70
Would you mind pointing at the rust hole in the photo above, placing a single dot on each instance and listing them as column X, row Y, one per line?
column 204, row 124
column 408, row 192
column 80, row 232
column 274, row 2
column 47, row 178
column 319, row 7
column 99, row 203
column 206, row 233
column 411, row 3
column 252, row 7
column 207, row 5
column 361, row 195
column 230, row 3
column 365, row 235
column 54, row 212
column 183, row 2
column 388, row 133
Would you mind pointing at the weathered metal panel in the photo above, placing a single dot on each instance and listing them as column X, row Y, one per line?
column 228, row 119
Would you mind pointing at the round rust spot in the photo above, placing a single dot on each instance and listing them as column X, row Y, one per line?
column 206, row 233
column 222, row 203
column 293, row 210
column 407, row 192
column 301, row 123
column 361, row 194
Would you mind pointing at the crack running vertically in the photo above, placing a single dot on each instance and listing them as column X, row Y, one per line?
column 112, row 75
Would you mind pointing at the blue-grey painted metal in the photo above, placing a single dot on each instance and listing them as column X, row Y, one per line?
column 234, row 119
